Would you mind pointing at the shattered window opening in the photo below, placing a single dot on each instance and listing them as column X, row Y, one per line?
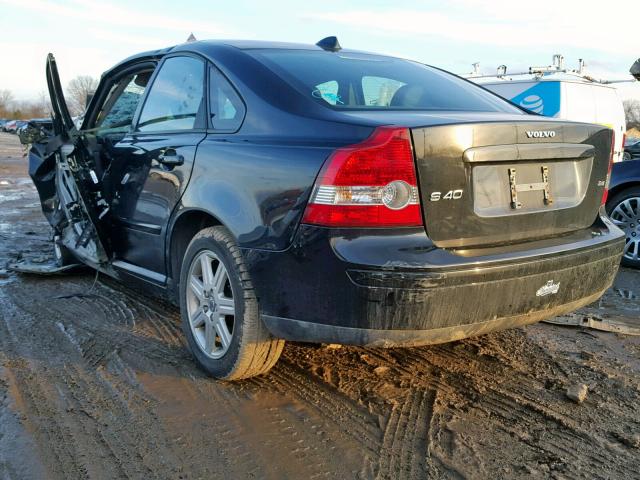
column 123, row 99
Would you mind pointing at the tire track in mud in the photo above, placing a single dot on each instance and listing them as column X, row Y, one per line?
column 33, row 398
column 405, row 443
column 400, row 449
column 111, row 436
column 354, row 421
column 120, row 420
column 500, row 393
column 119, row 305
column 34, row 394
column 525, row 406
column 108, row 321
column 100, row 331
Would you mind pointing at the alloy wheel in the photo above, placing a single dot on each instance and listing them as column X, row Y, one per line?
column 210, row 304
column 626, row 215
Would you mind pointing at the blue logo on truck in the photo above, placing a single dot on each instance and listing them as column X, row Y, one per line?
column 542, row 98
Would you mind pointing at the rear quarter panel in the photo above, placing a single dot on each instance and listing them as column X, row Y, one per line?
column 257, row 190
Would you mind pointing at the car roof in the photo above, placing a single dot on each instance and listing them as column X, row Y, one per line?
column 209, row 47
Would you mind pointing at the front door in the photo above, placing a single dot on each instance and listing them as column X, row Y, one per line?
column 155, row 162
column 80, row 204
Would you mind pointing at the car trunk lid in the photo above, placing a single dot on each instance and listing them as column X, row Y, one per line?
column 503, row 182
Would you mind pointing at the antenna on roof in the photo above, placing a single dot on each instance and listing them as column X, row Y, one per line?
column 192, row 38
column 329, row 44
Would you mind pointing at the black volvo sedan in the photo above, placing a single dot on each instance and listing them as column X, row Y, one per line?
column 312, row 193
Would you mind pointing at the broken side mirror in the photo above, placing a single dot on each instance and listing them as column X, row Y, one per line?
column 635, row 70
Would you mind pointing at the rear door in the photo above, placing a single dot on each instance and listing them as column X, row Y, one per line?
column 155, row 162
column 79, row 191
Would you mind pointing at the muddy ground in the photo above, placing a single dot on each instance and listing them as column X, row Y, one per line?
column 101, row 386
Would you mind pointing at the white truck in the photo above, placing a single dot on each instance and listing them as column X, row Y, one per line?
column 554, row 91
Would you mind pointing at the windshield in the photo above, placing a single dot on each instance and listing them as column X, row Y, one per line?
column 357, row 81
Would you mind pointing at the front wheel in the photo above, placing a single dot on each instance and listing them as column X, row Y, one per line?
column 624, row 210
column 220, row 314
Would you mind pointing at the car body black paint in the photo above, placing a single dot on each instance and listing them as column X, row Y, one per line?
column 257, row 181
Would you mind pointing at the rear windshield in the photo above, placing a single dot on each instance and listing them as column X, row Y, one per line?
column 356, row 81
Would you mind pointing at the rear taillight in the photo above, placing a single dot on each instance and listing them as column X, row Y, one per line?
column 605, row 194
column 369, row 184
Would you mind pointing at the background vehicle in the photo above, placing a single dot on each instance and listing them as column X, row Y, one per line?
column 295, row 192
column 631, row 148
column 555, row 91
column 623, row 206
column 10, row 126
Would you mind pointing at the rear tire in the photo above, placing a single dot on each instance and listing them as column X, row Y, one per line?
column 624, row 210
column 220, row 311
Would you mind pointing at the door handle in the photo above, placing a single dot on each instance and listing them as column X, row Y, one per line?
column 170, row 158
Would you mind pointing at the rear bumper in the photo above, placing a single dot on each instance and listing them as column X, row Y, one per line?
column 395, row 288
column 301, row 331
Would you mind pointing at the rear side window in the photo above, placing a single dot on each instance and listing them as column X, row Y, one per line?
column 175, row 101
column 356, row 81
column 226, row 109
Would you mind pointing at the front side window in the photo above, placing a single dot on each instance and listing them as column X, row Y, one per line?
column 124, row 96
column 175, row 101
column 226, row 108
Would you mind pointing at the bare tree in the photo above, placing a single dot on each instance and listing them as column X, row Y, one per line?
column 44, row 104
column 6, row 103
column 78, row 91
column 632, row 113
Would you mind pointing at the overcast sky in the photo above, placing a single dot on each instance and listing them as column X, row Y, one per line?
column 89, row 36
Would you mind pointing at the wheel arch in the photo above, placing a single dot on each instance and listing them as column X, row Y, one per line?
column 186, row 224
column 613, row 191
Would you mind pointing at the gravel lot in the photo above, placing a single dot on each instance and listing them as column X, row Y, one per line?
column 100, row 385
